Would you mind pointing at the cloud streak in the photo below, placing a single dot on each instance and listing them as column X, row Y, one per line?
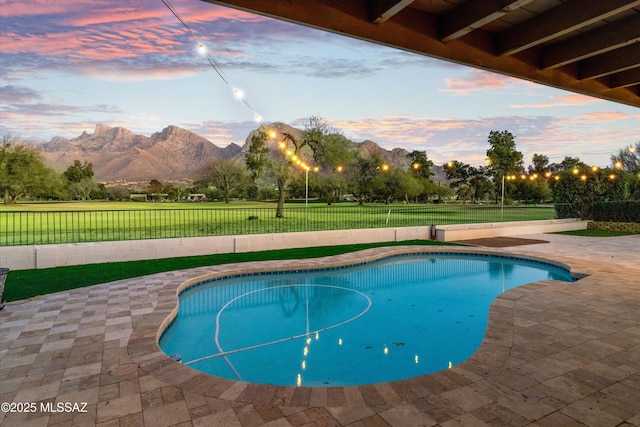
column 479, row 81
column 446, row 139
column 570, row 100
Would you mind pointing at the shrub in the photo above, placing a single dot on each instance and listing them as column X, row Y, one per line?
column 618, row 211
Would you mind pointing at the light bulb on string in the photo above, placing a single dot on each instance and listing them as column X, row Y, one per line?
column 202, row 50
column 238, row 93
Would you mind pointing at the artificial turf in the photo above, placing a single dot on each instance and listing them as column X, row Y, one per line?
column 22, row 284
column 595, row 233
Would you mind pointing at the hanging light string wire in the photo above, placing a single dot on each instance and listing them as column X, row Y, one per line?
column 216, row 67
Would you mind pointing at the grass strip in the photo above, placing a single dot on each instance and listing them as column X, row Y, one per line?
column 22, row 284
column 595, row 233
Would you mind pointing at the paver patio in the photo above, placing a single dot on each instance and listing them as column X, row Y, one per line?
column 555, row 354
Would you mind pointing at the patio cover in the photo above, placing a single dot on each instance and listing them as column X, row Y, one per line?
column 584, row 46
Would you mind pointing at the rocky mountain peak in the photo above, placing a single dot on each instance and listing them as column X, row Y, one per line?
column 119, row 154
column 111, row 134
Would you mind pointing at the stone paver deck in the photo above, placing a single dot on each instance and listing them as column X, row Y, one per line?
column 555, row 354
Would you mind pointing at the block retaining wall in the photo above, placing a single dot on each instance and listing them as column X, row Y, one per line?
column 626, row 227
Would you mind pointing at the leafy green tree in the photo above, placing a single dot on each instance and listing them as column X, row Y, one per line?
column 627, row 159
column 420, row 164
column 391, row 184
column 442, row 190
column 154, row 187
column 568, row 164
column 532, row 189
column 539, row 164
column 82, row 189
column 418, row 187
column 79, row 172
column 360, row 175
column 276, row 163
column 503, row 157
column 468, row 181
column 257, row 155
column 174, row 192
column 583, row 186
column 226, row 175
column 23, row 172
column 281, row 155
column 117, row 193
column 80, row 180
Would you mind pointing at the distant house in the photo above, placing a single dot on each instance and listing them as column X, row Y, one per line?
column 197, row 197
column 138, row 197
column 159, row 197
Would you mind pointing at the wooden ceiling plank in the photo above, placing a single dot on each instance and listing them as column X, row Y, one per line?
column 622, row 59
column 383, row 10
column 474, row 14
column 601, row 40
column 561, row 20
column 625, row 78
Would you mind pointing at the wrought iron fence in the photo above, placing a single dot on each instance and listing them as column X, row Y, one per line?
column 52, row 227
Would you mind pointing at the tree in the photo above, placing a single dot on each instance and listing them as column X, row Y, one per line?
column 79, row 172
column 360, row 175
column 468, row 181
column 261, row 158
column 154, row 187
column 628, row 159
column 257, row 155
column 23, row 172
column 118, row 192
column 583, row 186
column 281, row 155
column 331, row 151
column 80, row 180
column 539, row 164
column 420, row 164
column 504, row 159
column 82, row 189
column 568, row 164
column 226, row 175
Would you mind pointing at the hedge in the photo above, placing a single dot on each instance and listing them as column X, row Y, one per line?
column 618, row 211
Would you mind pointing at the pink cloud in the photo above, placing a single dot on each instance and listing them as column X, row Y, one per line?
column 605, row 116
column 72, row 35
column 478, row 80
column 571, row 100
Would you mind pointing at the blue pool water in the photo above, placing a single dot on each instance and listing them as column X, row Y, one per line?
column 387, row 320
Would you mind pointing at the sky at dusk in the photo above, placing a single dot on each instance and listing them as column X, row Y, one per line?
column 67, row 65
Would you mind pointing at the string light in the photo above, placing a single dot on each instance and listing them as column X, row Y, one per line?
column 202, row 50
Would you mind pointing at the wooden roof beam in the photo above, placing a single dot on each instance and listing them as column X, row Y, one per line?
column 561, row 20
column 474, row 14
column 625, row 78
column 383, row 10
column 619, row 60
column 613, row 36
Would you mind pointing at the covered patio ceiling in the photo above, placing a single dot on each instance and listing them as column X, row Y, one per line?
column 590, row 47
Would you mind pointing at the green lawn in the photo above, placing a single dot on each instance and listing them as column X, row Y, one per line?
column 23, row 284
column 48, row 223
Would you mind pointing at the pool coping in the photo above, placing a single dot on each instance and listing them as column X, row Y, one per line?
column 490, row 356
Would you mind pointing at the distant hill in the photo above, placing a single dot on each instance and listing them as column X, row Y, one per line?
column 174, row 153
column 118, row 154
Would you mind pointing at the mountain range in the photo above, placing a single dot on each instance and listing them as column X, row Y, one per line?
column 117, row 154
column 173, row 154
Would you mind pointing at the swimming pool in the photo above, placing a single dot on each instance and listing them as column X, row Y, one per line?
column 387, row 320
